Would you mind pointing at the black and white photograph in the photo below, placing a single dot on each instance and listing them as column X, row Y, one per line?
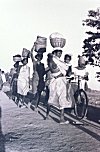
column 49, row 75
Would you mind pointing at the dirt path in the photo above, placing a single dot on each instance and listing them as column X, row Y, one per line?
column 25, row 130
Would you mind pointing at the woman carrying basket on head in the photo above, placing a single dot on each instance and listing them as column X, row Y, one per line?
column 23, row 82
column 38, row 83
column 57, row 87
column 14, row 78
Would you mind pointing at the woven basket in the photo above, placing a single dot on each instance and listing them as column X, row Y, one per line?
column 57, row 42
column 39, row 46
column 41, row 40
column 25, row 52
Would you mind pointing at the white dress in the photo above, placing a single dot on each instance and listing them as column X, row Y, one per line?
column 23, row 80
column 81, row 73
column 59, row 92
column 3, row 78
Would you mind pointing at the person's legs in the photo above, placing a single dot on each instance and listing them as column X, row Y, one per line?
column 20, row 100
column 47, row 95
column 40, row 88
column 62, row 115
column 38, row 98
column 48, row 111
column 62, row 120
column 1, row 86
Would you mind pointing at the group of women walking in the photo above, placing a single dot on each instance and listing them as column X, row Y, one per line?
column 53, row 79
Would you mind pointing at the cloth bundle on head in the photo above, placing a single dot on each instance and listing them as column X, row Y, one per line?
column 40, row 44
column 17, row 58
column 57, row 40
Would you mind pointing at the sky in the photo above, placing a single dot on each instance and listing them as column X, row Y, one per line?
column 22, row 20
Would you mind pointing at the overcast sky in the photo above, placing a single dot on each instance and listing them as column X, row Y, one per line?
column 22, row 20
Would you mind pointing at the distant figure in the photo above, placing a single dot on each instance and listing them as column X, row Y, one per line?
column 3, row 77
column 1, row 81
column 14, row 79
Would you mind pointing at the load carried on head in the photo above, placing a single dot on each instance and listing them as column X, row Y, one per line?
column 17, row 58
column 57, row 40
column 40, row 44
column 25, row 53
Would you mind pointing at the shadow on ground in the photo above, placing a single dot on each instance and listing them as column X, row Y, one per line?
column 93, row 113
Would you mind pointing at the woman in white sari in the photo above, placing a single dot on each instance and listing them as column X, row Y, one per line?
column 23, row 82
column 58, row 95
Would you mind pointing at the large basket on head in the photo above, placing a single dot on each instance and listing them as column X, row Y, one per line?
column 57, row 40
column 25, row 53
column 17, row 58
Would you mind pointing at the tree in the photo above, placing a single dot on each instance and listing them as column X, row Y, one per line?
column 92, row 43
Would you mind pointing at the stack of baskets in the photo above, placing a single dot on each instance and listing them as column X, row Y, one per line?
column 57, row 40
column 40, row 44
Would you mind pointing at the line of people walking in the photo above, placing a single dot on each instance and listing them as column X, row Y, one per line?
column 52, row 79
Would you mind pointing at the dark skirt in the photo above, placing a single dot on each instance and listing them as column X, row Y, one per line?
column 14, row 88
column 41, row 86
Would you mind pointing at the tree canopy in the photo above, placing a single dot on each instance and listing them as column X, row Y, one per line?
column 92, row 43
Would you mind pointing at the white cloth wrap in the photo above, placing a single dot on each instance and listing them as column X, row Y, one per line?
column 59, row 95
column 23, row 80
